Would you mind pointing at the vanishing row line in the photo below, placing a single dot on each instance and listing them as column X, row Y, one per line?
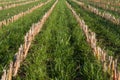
column 23, row 50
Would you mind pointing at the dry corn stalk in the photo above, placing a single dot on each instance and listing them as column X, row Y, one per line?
column 15, row 5
column 23, row 50
column 104, row 14
column 109, row 64
column 16, row 17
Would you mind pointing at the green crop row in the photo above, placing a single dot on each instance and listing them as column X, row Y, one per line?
column 8, row 13
column 109, row 3
column 10, row 3
column 60, row 51
column 107, row 33
column 114, row 13
column 101, row 9
column 8, row 0
column 12, row 36
column 96, row 5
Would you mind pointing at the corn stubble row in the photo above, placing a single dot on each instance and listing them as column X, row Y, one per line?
column 106, row 7
column 15, row 5
column 16, row 17
column 7, row 2
column 23, row 50
column 104, row 14
column 109, row 64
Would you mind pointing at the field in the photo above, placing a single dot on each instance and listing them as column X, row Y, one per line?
column 59, row 40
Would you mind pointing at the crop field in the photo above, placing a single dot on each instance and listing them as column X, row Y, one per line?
column 59, row 40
